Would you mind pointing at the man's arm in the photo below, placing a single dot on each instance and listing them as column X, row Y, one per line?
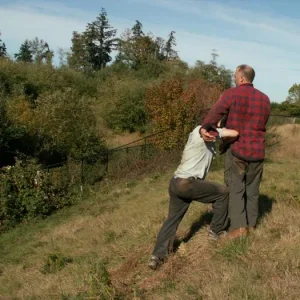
column 229, row 134
column 228, row 137
column 220, row 109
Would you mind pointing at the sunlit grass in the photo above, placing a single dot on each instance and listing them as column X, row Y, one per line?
column 99, row 248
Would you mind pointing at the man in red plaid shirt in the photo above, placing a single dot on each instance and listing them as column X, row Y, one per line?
column 248, row 110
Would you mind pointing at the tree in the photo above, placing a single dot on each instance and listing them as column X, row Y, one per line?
column 2, row 48
column 171, row 42
column 214, row 56
column 41, row 51
column 25, row 53
column 213, row 72
column 160, row 48
column 137, row 29
column 99, row 41
column 294, row 94
column 136, row 48
column 63, row 56
column 178, row 104
column 78, row 59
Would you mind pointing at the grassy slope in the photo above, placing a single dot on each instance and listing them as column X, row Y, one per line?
column 115, row 230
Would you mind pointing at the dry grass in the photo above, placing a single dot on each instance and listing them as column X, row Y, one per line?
column 115, row 231
column 290, row 141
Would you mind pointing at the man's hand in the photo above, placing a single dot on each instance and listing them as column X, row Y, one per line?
column 206, row 136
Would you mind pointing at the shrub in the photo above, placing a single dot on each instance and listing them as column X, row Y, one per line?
column 27, row 192
column 67, row 124
column 177, row 104
column 128, row 112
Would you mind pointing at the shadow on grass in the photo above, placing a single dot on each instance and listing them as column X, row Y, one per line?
column 196, row 226
column 265, row 206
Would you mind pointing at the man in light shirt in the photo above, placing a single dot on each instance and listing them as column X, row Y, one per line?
column 188, row 184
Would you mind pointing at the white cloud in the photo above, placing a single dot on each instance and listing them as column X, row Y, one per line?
column 265, row 27
column 18, row 24
column 51, row 21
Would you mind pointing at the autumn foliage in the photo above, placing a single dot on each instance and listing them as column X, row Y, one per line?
column 177, row 105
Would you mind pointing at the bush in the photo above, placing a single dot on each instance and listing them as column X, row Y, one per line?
column 45, row 113
column 31, row 80
column 27, row 192
column 177, row 104
column 68, row 125
column 128, row 112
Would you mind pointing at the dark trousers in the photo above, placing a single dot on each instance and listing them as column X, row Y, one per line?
column 243, row 179
column 182, row 192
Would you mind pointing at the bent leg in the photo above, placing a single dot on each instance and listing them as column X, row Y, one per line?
column 207, row 192
column 177, row 210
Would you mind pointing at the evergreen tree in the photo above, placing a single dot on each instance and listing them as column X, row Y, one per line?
column 25, row 53
column 99, row 41
column 2, row 48
column 137, row 29
column 78, row 58
column 171, row 42
column 212, row 72
column 214, row 56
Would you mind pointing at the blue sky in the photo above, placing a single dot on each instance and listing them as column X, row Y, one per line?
column 264, row 34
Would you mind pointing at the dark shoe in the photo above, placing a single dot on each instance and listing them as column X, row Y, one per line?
column 155, row 262
column 237, row 233
column 215, row 236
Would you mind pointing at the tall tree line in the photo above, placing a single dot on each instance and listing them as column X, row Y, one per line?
column 92, row 49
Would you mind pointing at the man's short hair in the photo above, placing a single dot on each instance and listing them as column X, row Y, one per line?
column 248, row 72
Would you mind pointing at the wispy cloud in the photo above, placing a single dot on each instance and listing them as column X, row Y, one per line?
column 265, row 26
column 269, row 43
column 19, row 23
column 51, row 21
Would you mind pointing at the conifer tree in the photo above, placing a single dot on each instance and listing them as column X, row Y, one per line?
column 99, row 41
column 25, row 53
column 169, row 50
column 2, row 48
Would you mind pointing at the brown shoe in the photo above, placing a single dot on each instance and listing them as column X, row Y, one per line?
column 237, row 233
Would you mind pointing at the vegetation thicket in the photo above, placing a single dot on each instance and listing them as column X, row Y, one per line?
column 61, row 115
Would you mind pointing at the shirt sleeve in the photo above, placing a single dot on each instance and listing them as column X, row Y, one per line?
column 220, row 109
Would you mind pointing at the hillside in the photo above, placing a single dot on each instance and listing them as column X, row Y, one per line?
column 99, row 248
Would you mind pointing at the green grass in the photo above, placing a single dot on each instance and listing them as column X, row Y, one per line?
column 99, row 248
column 235, row 249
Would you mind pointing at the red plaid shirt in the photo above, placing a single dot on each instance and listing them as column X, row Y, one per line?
column 248, row 111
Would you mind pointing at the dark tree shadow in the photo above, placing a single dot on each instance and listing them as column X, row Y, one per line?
column 265, row 205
